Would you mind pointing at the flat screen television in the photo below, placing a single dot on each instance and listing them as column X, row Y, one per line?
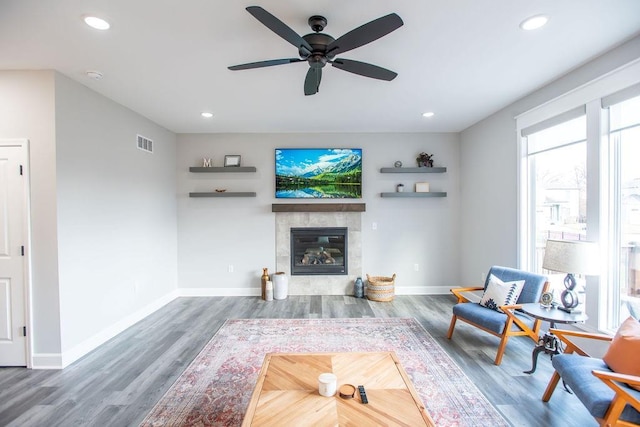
column 319, row 173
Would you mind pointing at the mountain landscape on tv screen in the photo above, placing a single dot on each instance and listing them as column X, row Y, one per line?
column 318, row 173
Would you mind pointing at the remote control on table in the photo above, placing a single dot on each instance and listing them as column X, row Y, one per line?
column 363, row 394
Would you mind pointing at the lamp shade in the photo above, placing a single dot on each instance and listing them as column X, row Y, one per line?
column 571, row 257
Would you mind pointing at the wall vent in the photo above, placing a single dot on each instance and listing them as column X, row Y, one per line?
column 145, row 144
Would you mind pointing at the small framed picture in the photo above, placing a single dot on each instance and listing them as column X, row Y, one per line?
column 231, row 160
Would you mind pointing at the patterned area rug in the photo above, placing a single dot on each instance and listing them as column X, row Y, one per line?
column 215, row 389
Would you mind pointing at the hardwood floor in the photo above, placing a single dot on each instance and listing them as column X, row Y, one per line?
column 118, row 383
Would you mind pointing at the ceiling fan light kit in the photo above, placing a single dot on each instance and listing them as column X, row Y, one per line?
column 319, row 49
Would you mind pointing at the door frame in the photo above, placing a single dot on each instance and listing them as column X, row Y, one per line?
column 23, row 144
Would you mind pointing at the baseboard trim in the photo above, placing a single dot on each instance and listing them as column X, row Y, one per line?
column 75, row 353
column 254, row 292
column 219, row 292
column 423, row 290
column 46, row 361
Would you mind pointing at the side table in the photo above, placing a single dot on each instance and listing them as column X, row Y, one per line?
column 548, row 342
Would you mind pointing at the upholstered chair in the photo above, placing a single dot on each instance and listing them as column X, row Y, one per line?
column 609, row 396
column 507, row 321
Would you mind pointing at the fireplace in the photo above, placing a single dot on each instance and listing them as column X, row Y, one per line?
column 318, row 284
column 319, row 251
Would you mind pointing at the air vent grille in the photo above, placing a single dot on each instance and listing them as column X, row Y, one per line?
column 145, row 144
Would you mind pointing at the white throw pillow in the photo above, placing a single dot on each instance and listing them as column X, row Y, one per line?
column 500, row 293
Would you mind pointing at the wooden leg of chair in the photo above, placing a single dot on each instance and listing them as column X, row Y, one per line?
column 614, row 411
column 451, row 326
column 553, row 382
column 501, row 348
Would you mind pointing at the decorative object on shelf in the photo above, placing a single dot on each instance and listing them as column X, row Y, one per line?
column 398, row 164
column 264, row 279
column 318, row 173
column 400, row 188
column 220, row 190
column 422, row 187
column 380, row 288
column 358, row 288
column 268, row 291
column 571, row 257
column 280, row 285
column 206, row 163
column 546, row 299
column 232, row 160
column 425, row 160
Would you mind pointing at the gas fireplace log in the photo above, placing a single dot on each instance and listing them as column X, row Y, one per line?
column 315, row 258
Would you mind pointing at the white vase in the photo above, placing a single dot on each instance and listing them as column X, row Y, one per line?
column 280, row 285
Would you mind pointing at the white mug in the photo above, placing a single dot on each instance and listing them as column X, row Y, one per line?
column 327, row 384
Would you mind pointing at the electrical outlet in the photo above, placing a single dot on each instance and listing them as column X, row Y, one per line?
column 374, row 225
column 416, row 267
column 230, row 268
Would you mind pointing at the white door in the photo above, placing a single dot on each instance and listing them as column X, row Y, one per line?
column 13, row 245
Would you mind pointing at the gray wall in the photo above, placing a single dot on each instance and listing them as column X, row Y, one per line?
column 117, row 241
column 216, row 233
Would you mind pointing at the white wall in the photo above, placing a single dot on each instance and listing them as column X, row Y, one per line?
column 216, row 233
column 27, row 111
column 117, row 238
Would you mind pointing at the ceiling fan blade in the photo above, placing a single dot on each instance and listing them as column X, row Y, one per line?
column 312, row 81
column 279, row 27
column 261, row 64
column 365, row 34
column 364, row 69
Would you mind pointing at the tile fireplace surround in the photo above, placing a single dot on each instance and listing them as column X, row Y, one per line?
column 317, row 284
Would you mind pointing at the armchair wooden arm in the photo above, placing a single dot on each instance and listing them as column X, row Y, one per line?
column 573, row 347
column 512, row 318
column 622, row 398
column 457, row 292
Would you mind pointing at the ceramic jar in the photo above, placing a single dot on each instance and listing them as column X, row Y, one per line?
column 280, row 285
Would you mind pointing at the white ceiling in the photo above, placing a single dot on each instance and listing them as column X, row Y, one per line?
column 167, row 60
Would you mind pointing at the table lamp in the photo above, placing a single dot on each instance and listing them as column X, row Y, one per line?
column 571, row 257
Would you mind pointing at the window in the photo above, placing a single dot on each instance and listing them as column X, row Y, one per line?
column 556, row 180
column 623, row 292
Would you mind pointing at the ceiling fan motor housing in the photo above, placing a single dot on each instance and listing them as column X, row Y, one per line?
column 319, row 43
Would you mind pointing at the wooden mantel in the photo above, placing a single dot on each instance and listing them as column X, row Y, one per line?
column 318, row 207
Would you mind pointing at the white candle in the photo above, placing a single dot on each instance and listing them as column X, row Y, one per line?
column 327, row 384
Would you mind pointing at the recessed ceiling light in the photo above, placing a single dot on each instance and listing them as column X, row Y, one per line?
column 428, row 114
column 534, row 22
column 95, row 75
column 97, row 23
column 206, row 114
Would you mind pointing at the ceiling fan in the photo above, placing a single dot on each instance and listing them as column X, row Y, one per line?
column 318, row 48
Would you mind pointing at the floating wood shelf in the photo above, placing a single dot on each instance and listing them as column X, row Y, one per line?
column 318, row 207
column 223, row 169
column 413, row 170
column 430, row 194
column 225, row 194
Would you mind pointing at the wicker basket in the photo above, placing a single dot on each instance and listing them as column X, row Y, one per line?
column 380, row 288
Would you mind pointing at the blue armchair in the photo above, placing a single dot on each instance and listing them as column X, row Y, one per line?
column 604, row 393
column 508, row 323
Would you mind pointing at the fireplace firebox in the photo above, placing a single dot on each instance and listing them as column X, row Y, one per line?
column 319, row 251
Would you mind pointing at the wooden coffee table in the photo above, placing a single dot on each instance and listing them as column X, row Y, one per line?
column 287, row 392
